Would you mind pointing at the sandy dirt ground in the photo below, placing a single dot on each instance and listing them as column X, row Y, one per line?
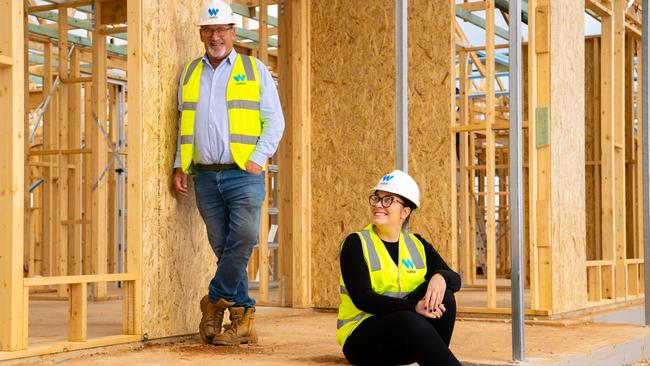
column 306, row 337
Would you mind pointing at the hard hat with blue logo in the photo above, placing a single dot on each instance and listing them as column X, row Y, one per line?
column 216, row 12
column 400, row 183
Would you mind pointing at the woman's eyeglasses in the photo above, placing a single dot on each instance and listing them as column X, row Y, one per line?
column 386, row 201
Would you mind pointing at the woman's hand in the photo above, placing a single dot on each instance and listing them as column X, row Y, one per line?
column 435, row 293
column 437, row 313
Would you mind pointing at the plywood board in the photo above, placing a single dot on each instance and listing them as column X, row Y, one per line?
column 567, row 136
column 177, row 262
column 430, row 144
column 353, row 124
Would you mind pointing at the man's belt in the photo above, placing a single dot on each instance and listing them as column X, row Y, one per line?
column 215, row 167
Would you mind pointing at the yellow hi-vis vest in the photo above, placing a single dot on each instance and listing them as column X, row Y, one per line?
column 243, row 101
column 386, row 277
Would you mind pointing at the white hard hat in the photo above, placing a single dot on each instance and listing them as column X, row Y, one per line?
column 400, row 183
column 215, row 12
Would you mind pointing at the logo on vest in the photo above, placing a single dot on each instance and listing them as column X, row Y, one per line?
column 240, row 79
column 213, row 12
column 410, row 266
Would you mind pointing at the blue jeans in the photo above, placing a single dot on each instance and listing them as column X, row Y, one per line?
column 229, row 202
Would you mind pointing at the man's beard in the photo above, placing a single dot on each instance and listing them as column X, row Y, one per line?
column 217, row 52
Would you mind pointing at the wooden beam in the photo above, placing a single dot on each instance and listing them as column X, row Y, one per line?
column 60, row 152
column 86, row 172
column 465, row 184
column 29, row 234
column 78, row 40
column 480, row 22
column 111, row 181
column 639, row 166
column 66, row 280
column 533, row 263
column 6, row 61
column 254, row 36
column 67, row 346
column 69, row 4
column 47, row 192
column 77, row 79
column 294, row 191
column 542, row 144
column 598, row 8
column 113, row 12
column 62, row 143
column 113, row 61
column 78, row 312
column 630, row 166
column 263, row 242
column 82, row 24
column 490, row 155
column 482, row 48
column 74, row 176
column 263, row 32
column 607, row 156
column 132, row 303
column 13, row 332
column 472, row 212
column 453, row 154
column 596, row 149
column 245, row 12
column 99, row 195
column 114, row 31
column 473, row 6
column 619, row 143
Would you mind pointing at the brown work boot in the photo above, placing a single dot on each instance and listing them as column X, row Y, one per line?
column 212, row 317
column 241, row 328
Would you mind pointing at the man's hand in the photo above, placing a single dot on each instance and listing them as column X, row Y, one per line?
column 180, row 182
column 253, row 168
column 435, row 292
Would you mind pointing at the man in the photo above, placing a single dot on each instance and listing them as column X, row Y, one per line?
column 231, row 123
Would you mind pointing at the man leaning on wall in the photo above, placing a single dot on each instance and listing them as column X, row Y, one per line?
column 230, row 123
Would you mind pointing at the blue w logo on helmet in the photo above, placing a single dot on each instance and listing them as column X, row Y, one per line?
column 408, row 263
column 213, row 12
column 387, row 178
column 239, row 77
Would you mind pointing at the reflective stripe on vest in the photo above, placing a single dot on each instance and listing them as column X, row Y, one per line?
column 386, row 277
column 189, row 99
column 398, row 295
column 242, row 100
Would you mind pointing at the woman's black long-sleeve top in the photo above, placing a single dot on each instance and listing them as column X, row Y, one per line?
column 357, row 279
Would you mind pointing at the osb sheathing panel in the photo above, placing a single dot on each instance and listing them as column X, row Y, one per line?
column 353, row 123
column 177, row 262
column 567, row 156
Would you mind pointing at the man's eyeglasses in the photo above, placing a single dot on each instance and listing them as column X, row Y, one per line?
column 386, row 201
column 209, row 32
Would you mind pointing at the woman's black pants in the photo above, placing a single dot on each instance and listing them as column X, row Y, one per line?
column 404, row 337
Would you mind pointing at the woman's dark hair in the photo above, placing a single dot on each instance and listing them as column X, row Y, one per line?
column 407, row 203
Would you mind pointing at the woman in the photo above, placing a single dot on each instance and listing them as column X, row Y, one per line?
column 397, row 303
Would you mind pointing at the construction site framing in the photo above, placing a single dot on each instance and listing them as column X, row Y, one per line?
column 114, row 100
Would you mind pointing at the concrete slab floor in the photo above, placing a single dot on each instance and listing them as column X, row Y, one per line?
column 306, row 337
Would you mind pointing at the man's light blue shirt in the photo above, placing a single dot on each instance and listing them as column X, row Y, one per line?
column 211, row 126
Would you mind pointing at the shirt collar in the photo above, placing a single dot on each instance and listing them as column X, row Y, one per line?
column 231, row 57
